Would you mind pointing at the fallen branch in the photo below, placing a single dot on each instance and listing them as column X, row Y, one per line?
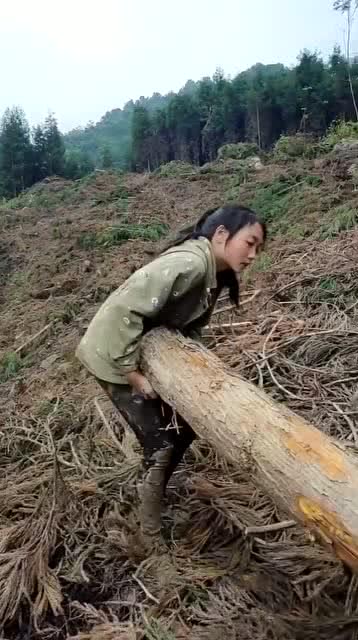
column 277, row 526
column 22, row 350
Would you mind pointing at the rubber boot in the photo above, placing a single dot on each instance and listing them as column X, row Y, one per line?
column 150, row 490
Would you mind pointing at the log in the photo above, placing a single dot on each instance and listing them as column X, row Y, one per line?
column 307, row 473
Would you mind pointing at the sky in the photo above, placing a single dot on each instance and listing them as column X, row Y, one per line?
column 81, row 58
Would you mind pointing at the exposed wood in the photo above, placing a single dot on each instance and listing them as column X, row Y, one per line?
column 308, row 474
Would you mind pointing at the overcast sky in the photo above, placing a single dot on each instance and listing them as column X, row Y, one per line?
column 81, row 58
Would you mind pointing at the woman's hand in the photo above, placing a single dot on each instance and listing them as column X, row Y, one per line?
column 141, row 385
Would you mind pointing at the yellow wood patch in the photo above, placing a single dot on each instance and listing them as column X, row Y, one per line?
column 312, row 447
column 330, row 530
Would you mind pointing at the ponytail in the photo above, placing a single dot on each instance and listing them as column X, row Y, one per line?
column 190, row 231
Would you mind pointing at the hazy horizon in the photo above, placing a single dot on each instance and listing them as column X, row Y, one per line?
column 83, row 60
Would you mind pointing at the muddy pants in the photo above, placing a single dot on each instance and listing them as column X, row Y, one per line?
column 164, row 439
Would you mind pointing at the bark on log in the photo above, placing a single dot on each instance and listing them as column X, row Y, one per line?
column 306, row 472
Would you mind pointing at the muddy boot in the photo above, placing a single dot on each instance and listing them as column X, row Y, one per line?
column 150, row 491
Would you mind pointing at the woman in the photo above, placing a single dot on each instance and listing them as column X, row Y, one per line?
column 179, row 290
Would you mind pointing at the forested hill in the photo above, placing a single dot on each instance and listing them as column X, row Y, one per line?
column 257, row 105
column 109, row 140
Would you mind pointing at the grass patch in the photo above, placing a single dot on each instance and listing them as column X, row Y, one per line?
column 119, row 196
column 117, row 235
column 11, row 364
column 343, row 218
column 155, row 631
column 273, row 200
column 329, row 285
column 262, row 263
column 19, row 278
column 283, row 202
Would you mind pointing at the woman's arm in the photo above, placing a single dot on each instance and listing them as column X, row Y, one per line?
column 143, row 296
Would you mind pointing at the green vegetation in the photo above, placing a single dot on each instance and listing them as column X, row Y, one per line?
column 10, row 365
column 273, row 200
column 29, row 157
column 342, row 218
column 292, row 147
column 43, row 196
column 238, row 151
column 155, row 631
column 329, row 284
column 118, row 234
column 262, row 263
column 175, row 168
column 337, row 132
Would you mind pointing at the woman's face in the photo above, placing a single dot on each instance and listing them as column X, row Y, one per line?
column 240, row 251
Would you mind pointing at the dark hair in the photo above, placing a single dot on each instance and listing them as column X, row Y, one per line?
column 233, row 217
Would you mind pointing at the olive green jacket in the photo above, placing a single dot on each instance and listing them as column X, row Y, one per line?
column 177, row 290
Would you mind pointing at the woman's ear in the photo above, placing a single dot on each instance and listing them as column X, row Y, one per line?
column 221, row 234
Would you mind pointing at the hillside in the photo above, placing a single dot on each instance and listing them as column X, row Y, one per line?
column 70, row 565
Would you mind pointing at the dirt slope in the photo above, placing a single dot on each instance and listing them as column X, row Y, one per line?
column 69, row 559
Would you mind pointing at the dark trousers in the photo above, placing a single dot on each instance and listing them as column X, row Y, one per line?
column 156, row 427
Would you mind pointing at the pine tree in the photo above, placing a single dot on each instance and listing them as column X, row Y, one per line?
column 40, row 168
column 106, row 160
column 71, row 169
column 55, row 148
column 16, row 171
column 86, row 164
column 141, row 139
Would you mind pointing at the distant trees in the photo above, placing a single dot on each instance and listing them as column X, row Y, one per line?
column 48, row 150
column 258, row 105
column 26, row 158
column 16, row 153
column 77, row 164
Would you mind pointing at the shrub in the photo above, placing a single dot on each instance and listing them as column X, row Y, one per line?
column 292, row 147
column 337, row 132
column 237, row 151
column 175, row 168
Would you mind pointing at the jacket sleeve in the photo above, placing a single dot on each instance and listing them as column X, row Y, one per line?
column 142, row 296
